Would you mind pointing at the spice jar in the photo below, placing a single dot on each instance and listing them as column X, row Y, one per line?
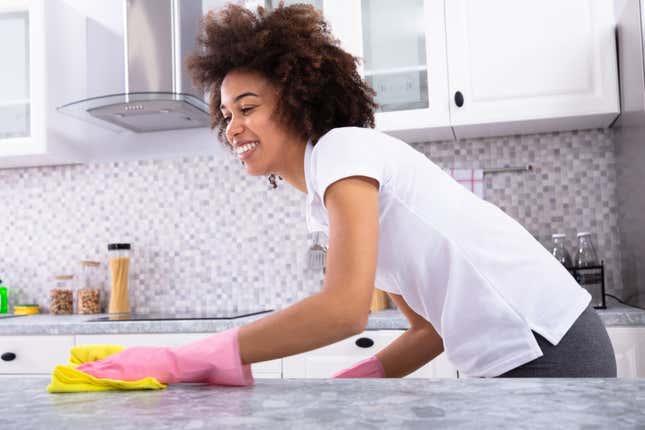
column 119, row 262
column 88, row 297
column 62, row 297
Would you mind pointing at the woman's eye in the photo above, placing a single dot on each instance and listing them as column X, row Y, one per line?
column 246, row 110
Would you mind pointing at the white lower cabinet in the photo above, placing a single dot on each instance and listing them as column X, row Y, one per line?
column 27, row 354
column 267, row 369
column 324, row 362
column 629, row 348
column 33, row 354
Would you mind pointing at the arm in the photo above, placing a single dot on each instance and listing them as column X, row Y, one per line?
column 338, row 311
column 341, row 309
column 414, row 348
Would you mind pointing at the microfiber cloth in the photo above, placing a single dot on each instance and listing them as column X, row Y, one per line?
column 66, row 379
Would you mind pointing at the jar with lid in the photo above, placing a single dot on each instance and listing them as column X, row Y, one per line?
column 62, row 296
column 88, row 297
column 119, row 262
column 559, row 250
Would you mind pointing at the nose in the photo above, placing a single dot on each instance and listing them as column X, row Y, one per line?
column 233, row 128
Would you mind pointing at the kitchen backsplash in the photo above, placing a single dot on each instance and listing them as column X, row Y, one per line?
column 206, row 236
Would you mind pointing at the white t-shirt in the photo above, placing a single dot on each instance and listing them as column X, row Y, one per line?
column 460, row 262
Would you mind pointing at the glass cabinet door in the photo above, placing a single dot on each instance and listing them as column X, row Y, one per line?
column 15, row 121
column 394, row 53
column 318, row 4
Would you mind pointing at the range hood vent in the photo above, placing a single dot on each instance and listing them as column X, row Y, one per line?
column 159, row 94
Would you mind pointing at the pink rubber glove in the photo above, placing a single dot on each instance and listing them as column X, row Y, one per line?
column 368, row 368
column 215, row 360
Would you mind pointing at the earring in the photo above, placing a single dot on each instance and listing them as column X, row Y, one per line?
column 272, row 181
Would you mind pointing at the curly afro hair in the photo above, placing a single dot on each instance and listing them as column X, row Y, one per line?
column 292, row 46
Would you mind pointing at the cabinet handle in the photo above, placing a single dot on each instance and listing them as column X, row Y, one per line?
column 364, row 342
column 459, row 99
column 8, row 356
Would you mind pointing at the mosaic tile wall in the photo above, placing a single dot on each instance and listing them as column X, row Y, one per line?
column 207, row 237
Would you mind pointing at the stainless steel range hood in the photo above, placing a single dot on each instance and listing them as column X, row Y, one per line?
column 159, row 94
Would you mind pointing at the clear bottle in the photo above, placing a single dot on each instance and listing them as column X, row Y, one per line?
column 559, row 250
column 119, row 262
column 88, row 297
column 588, row 275
column 586, row 255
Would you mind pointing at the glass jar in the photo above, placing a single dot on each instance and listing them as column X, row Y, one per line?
column 589, row 276
column 586, row 254
column 559, row 250
column 61, row 301
column 88, row 297
column 119, row 262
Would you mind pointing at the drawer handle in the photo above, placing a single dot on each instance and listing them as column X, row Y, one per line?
column 364, row 342
column 459, row 99
column 8, row 356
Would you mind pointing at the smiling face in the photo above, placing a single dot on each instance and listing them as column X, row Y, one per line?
column 248, row 103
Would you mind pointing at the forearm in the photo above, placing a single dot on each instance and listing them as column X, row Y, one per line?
column 311, row 323
column 410, row 351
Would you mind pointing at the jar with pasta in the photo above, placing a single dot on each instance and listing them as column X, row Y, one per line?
column 61, row 300
column 119, row 264
column 88, row 297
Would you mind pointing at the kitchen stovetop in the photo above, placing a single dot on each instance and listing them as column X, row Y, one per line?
column 219, row 315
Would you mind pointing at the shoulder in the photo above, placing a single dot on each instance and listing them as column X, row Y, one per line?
column 348, row 151
column 350, row 142
column 349, row 133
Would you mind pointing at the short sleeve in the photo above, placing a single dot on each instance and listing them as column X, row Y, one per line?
column 346, row 152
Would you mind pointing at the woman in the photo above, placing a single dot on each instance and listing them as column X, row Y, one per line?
column 470, row 280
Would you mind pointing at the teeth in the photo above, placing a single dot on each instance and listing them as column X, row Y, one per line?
column 244, row 148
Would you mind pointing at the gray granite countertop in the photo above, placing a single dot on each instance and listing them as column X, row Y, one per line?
column 615, row 315
column 335, row 404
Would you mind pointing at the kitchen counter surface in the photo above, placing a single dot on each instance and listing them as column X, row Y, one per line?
column 335, row 403
column 615, row 315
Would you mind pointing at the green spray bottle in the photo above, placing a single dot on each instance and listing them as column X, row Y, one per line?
column 4, row 299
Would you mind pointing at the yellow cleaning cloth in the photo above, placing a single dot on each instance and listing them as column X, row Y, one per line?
column 66, row 379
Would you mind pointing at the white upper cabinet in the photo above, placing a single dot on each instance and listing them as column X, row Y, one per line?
column 21, row 89
column 35, row 40
column 530, row 66
column 403, row 50
column 483, row 68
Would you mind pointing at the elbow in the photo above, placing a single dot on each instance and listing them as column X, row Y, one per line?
column 357, row 325
column 349, row 318
column 350, row 323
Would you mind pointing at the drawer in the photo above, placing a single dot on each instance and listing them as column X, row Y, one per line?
column 34, row 354
column 270, row 367
column 324, row 362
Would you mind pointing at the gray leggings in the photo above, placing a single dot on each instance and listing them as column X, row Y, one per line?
column 585, row 351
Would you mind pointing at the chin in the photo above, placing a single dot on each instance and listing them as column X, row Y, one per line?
column 254, row 171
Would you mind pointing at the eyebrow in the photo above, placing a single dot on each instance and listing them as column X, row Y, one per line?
column 240, row 97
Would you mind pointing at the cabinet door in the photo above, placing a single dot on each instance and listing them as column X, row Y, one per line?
column 33, row 354
column 21, row 89
column 402, row 47
column 324, row 362
column 529, row 66
column 629, row 348
column 266, row 369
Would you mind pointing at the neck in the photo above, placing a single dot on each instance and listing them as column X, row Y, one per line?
column 293, row 170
